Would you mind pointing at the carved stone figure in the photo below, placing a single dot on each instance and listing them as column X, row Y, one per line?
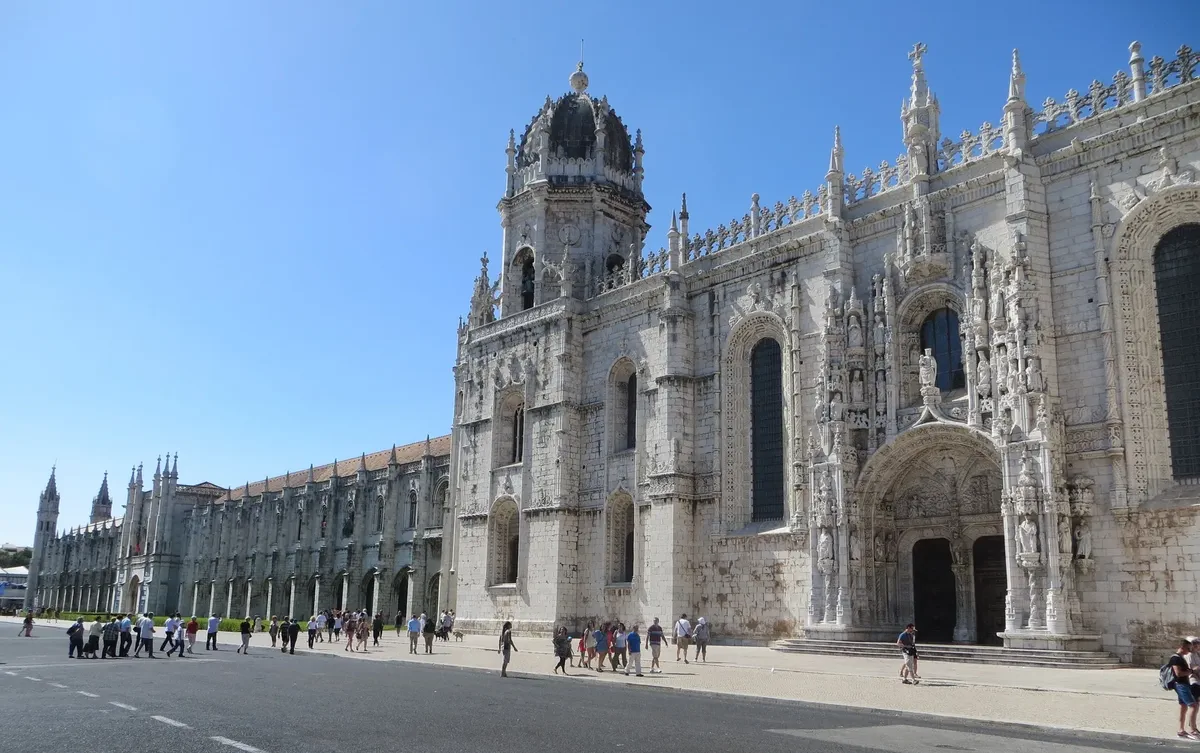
column 1083, row 541
column 855, row 546
column 854, row 335
column 835, row 407
column 880, row 392
column 880, row 552
column 856, row 387
column 1033, row 375
column 880, row 336
column 1001, row 370
column 983, row 382
column 997, row 301
column 1027, row 537
column 928, row 368
column 825, row 546
column 890, row 544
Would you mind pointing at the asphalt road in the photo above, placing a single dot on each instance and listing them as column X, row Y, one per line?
column 277, row 703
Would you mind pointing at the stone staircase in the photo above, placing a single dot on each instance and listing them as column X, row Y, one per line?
column 1017, row 657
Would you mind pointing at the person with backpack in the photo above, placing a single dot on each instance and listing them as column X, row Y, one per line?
column 506, row 645
column 1177, row 675
column 683, row 637
column 908, row 648
column 75, row 636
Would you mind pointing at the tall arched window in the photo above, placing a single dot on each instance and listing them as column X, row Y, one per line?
column 379, row 513
column 518, row 434
column 620, row 539
column 527, row 284
column 505, row 542
column 631, row 412
column 439, row 503
column 939, row 333
column 766, row 430
column 412, row 509
column 1177, row 278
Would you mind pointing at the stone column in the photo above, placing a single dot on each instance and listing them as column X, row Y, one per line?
column 270, row 596
column 195, row 595
column 408, row 608
column 963, row 618
column 375, row 594
column 1012, row 574
column 249, row 591
column 229, row 598
column 292, row 596
column 212, row 595
column 316, row 593
column 345, row 590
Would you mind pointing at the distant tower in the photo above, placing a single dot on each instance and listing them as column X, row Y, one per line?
column 573, row 204
column 102, row 503
column 47, row 519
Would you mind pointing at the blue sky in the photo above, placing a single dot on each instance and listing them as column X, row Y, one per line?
column 245, row 231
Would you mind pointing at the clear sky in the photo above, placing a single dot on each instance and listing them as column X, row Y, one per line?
column 245, row 231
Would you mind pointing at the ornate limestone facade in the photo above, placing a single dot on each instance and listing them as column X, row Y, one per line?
column 953, row 389
column 364, row 533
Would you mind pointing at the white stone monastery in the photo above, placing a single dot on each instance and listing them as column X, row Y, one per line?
column 960, row 389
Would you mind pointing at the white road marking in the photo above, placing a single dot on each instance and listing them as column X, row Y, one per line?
column 125, row 706
column 89, row 695
column 59, row 685
column 168, row 720
column 236, row 744
column 35, row 679
column 14, row 674
column 904, row 738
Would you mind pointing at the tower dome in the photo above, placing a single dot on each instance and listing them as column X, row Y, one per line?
column 577, row 127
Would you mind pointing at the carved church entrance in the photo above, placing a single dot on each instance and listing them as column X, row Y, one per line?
column 990, row 587
column 933, row 591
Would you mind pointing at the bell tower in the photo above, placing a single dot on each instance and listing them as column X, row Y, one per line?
column 47, row 519
column 573, row 206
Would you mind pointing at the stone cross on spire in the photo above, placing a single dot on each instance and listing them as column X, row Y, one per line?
column 920, row 89
column 918, row 51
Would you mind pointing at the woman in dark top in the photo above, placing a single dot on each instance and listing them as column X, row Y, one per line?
column 562, row 649
column 428, row 631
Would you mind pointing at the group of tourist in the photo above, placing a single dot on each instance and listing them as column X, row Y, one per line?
column 117, row 634
column 621, row 648
column 1181, row 673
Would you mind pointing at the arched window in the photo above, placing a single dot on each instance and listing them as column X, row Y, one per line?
column 620, row 540
column 939, row 333
column 324, row 523
column 505, row 542
column 527, row 284
column 631, row 412
column 299, row 526
column 412, row 509
column 379, row 513
column 439, row 503
column 1177, row 278
column 766, row 430
column 518, row 434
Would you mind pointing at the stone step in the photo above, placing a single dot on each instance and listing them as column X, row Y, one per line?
column 1022, row 657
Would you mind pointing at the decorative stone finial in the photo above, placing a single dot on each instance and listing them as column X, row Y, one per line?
column 579, row 79
column 1016, row 80
column 920, row 89
column 836, row 153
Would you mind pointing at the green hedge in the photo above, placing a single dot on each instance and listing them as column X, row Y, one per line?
column 227, row 625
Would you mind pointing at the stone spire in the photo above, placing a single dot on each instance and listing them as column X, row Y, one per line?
column 102, row 503
column 1016, row 79
column 919, row 115
column 511, row 168
column 392, row 460
column 132, row 477
column 683, row 218
column 837, row 155
column 834, row 178
column 1018, row 126
column 139, row 475
column 483, row 300
column 51, row 492
column 175, row 467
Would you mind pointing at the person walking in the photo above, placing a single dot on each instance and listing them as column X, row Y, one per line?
column 633, row 642
column 179, row 642
column 1182, row 686
column 429, row 631
column 258, row 626
column 655, row 637
column 400, row 623
column 908, row 649
column 94, row 633
column 506, row 645
column 193, row 627
column 700, row 639
column 601, row 636
column 110, row 634
column 619, row 655
column 146, row 634
column 562, row 649
column 338, row 622
column 377, row 628
column 126, row 637
column 321, row 626
column 293, row 634
column 589, row 645
column 214, row 624
column 273, row 630
column 683, row 637
column 414, row 633
column 169, row 628
column 27, row 626
column 312, row 630
column 75, row 637
column 245, row 647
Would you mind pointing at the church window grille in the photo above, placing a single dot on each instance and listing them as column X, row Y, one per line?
column 439, row 503
column 518, row 437
column 631, row 412
column 379, row 513
column 412, row 509
column 505, row 542
column 527, row 284
column 620, row 538
column 766, row 430
column 1176, row 278
column 939, row 333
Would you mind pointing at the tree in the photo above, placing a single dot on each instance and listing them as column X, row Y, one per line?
column 19, row 558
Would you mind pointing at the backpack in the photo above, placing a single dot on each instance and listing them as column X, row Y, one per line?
column 1166, row 677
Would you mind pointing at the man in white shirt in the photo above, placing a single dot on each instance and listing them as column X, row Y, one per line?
column 146, row 635
column 214, row 624
column 169, row 630
column 126, row 635
column 683, row 637
column 321, row 627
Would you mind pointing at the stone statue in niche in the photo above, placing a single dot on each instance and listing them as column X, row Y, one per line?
column 880, row 392
column 1027, row 537
column 825, row 549
column 928, row 368
column 856, row 387
column 880, row 552
column 854, row 335
column 890, row 544
column 820, row 407
column 348, row 524
column 855, row 546
column 997, row 301
column 835, row 407
column 1083, row 541
column 983, row 382
column 1001, row 370
column 1033, row 375
column 879, row 335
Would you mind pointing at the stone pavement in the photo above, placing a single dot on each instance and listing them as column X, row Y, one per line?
column 1118, row 701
